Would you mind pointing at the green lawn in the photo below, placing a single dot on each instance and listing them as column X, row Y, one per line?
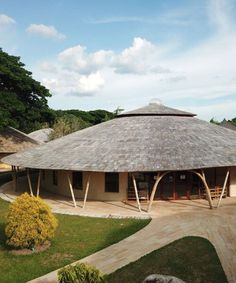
column 192, row 259
column 76, row 238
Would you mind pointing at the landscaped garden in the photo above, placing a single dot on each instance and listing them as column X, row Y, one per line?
column 76, row 237
column 192, row 259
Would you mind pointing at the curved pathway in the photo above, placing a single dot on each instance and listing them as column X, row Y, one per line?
column 170, row 222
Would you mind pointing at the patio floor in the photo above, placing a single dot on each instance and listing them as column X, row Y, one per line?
column 116, row 209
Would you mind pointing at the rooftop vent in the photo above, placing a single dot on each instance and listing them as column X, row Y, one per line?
column 155, row 101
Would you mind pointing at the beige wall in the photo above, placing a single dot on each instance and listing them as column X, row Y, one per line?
column 232, row 190
column 96, row 188
column 97, row 184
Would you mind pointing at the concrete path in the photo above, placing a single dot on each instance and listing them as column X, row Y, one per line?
column 172, row 220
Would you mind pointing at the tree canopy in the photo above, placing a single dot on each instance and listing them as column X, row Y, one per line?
column 23, row 100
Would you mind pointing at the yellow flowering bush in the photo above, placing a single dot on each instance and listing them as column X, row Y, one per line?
column 30, row 222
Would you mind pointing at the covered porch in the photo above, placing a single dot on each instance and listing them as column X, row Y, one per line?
column 137, row 207
column 116, row 209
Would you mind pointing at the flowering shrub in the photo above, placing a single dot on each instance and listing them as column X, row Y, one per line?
column 30, row 222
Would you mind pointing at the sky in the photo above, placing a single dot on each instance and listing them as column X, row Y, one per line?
column 107, row 54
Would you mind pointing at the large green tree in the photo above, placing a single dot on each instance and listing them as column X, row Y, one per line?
column 23, row 100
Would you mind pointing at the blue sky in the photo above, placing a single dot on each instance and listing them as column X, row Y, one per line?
column 105, row 54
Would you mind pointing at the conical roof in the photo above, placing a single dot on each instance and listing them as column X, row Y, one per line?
column 156, row 109
column 13, row 140
column 135, row 143
column 42, row 135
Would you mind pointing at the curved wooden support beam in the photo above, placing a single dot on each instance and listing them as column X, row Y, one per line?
column 158, row 179
column 224, row 187
column 86, row 190
column 71, row 188
column 14, row 177
column 136, row 193
column 38, row 184
column 203, row 178
column 29, row 182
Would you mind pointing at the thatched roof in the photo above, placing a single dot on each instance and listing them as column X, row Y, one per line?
column 156, row 109
column 135, row 143
column 42, row 135
column 12, row 140
column 228, row 125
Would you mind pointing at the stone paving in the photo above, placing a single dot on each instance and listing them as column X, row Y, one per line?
column 170, row 221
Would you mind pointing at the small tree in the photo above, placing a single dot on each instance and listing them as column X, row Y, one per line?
column 214, row 121
column 117, row 111
column 30, row 222
column 65, row 125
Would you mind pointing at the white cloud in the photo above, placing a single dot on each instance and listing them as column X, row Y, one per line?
column 140, row 58
column 203, row 72
column 176, row 17
column 217, row 111
column 72, row 83
column 45, row 31
column 90, row 84
column 112, row 20
column 198, row 77
column 220, row 14
column 76, row 58
column 6, row 20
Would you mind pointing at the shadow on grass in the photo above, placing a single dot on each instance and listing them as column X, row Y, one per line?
column 192, row 259
column 3, row 237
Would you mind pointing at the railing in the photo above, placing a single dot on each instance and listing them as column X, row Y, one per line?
column 142, row 194
column 216, row 192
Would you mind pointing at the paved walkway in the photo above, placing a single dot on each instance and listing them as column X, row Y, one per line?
column 174, row 221
column 170, row 221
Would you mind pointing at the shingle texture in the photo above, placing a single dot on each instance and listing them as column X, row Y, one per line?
column 156, row 110
column 12, row 140
column 42, row 135
column 137, row 143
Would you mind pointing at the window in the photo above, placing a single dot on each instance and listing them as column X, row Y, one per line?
column 112, row 182
column 182, row 176
column 77, row 180
column 54, row 177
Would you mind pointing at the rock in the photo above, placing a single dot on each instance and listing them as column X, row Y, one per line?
column 158, row 278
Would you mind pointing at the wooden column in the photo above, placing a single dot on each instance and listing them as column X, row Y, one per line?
column 38, row 184
column 71, row 188
column 13, row 168
column 136, row 193
column 86, row 190
column 203, row 178
column 158, row 179
column 17, row 173
column 224, row 187
column 29, row 182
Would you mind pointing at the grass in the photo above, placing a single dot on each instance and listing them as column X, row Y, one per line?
column 76, row 237
column 192, row 259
